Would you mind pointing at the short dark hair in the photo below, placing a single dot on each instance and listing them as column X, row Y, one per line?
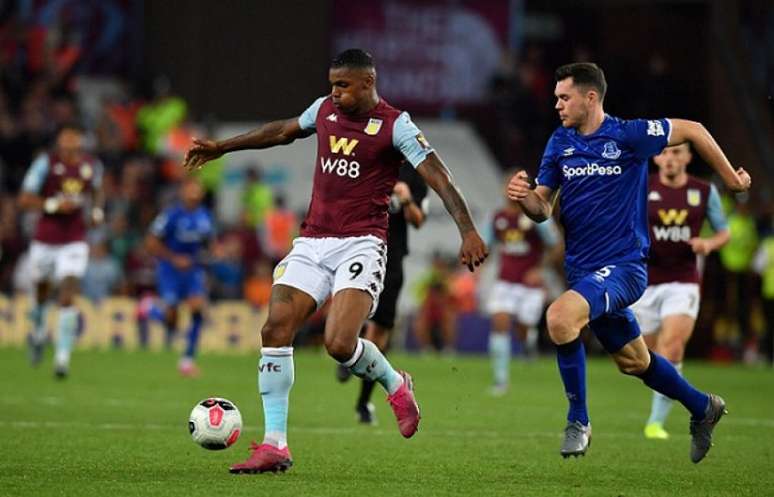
column 584, row 74
column 353, row 58
column 71, row 126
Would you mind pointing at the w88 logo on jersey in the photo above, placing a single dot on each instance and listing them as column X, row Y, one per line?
column 340, row 167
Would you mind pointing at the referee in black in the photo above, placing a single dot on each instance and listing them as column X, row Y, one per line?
column 408, row 204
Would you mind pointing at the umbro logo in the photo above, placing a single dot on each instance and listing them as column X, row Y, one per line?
column 568, row 151
column 654, row 196
column 332, row 118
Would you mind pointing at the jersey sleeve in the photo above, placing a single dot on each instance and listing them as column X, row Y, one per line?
column 715, row 214
column 488, row 232
column 36, row 175
column 548, row 232
column 160, row 225
column 549, row 174
column 647, row 137
column 407, row 138
column 307, row 118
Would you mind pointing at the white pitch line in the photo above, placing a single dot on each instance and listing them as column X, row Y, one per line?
column 476, row 434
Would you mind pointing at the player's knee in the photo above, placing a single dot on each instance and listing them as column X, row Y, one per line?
column 561, row 329
column 339, row 348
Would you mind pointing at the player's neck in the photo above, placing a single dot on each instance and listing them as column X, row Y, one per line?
column 593, row 123
column 368, row 105
column 678, row 181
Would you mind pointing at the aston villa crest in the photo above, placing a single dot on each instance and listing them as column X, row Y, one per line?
column 373, row 126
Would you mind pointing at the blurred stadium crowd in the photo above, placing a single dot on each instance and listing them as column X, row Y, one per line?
column 140, row 133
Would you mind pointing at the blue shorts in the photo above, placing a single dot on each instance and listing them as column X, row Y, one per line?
column 610, row 290
column 175, row 286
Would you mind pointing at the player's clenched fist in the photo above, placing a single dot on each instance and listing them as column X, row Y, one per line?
column 473, row 251
column 518, row 187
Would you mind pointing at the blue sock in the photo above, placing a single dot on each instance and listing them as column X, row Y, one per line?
column 275, row 378
column 661, row 404
column 67, row 327
column 193, row 334
column 571, row 358
column 662, row 377
column 500, row 354
column 369, row 363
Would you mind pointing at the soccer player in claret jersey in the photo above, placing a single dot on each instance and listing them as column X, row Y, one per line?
column 179, row 237
column 597, row 163
column 60, row 185
column 517, row 294
column 678, row 205
column 361, row 142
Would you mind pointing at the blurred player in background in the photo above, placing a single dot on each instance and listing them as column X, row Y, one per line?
column 408, row 205
column 678, row 205
column 62, row 186
column 179, row 238
column 361, row 143
column 517, row 294
column 598, row 164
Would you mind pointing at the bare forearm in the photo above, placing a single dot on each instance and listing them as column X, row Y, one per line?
column 536, row 207
column 413, row 214
column 31, row 202
column 707, row 148
column 456, row 206
column 719, row 239
column 268, row 135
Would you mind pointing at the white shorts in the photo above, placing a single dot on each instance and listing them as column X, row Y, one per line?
column 56, row 262
column 666, row 299
column 322, row 266
column 523, row 302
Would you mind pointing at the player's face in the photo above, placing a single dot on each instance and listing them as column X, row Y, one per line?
column 192, row 193
column 69, row 145
column 673, row 161
column 350, row 88
column 572, row 103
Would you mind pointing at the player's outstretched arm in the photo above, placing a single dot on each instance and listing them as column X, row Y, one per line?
column 538, row 204
column 437, row 176
column 708, row 149
column 269, row 135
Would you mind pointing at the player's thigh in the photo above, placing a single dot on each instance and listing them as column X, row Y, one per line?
column 42, row 261
column 530, row 305
column 610, row 288
column 194, row 289
column 502, row 299
column 675, row 332
column 349, row 309
column 360, row 264
column 647, row 310
column 71, row 261
column 289, row 307
column 302, row 270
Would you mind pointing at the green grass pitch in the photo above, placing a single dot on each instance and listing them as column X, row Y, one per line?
column 118, row 427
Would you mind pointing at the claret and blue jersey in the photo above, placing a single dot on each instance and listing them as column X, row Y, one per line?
column 603, row 179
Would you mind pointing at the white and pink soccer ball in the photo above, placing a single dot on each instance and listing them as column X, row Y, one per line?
column 215, row 423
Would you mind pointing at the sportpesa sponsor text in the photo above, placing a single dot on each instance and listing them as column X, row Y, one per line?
column 591, row 169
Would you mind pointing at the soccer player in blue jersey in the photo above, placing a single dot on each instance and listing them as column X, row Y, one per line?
column 597, row 165
column 178, row 238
